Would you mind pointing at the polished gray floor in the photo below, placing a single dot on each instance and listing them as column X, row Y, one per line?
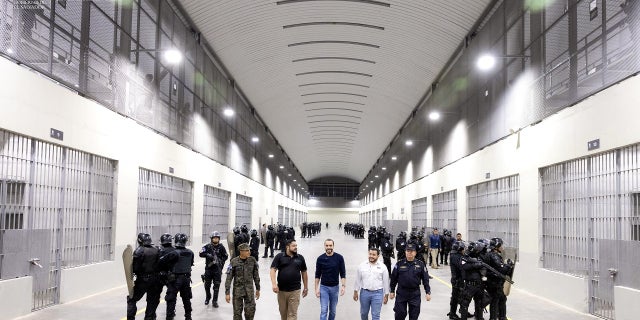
column 111, row 304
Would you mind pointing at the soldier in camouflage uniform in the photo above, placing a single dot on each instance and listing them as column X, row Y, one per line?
column 243, row 269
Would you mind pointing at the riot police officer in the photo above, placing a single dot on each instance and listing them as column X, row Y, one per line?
column 474, row 286
column 495, row 284
column 408, row 274
column 166, row 242
column 215, row 256
column 271, row 237
column 457, row 282
column 254, row 244
column 181, row 260
column 401, row 244
column 145, row 264
column 387, row 251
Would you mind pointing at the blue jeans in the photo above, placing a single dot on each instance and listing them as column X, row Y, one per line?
column 373, row 300
column 328, row 301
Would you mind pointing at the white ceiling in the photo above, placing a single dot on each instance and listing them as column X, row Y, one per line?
column 334, row 80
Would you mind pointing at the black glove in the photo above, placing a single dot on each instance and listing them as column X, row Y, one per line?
column 510, row 262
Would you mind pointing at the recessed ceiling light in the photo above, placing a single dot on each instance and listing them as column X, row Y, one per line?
column 229, row 112
column 294, row 180
column 394, row 158
column 434, row 115
column 173, row 56
column 255, row 139
column 289, row 174
column 270, row 156
column 371, row 181
column 384, row 168
column 486, row 62
column 376, row 176
column 408, row 143
column 281, row 167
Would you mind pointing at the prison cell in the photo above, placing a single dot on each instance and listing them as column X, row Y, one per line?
column 445, row 210
column 243, row 210
column 215, row 212
column 419, row 213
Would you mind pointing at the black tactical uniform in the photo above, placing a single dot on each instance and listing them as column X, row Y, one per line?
column 495, row 284
column 165, row 269
column 271, row 237
column 254, row 244
column 474, row 286
column 145, row 264
column 457, row 281
column 181, row 260
column 215, row 255
column 401, row 244
column 408, row 275
column 387, row 251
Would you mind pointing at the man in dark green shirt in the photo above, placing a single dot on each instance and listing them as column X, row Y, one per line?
column 243, row 269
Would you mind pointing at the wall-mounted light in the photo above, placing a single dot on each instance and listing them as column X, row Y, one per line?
column 408, row 143
column 384, row 168
column 229, row 112
column 270, row 156
column 255, row 139
column 434, row 115
column 172, row 56
column 376, row 176
column 289, row 174
column 394, row 158
column 281, row 167
column 488, row 61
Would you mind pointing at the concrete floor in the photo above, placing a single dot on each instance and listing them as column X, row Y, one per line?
column 111, row 304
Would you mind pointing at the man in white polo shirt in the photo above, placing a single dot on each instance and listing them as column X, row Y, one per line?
column 372, row 282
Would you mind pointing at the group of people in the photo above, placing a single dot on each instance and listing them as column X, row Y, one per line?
column 478, row 273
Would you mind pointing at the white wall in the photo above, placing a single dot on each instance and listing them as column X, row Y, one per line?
column 15, row 297
column 31, row 105
column 333, row 216
column 626, row 304
column 611, row 116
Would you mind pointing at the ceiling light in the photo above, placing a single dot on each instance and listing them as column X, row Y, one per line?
column 384, row 168
column 294, row 180
column 394, row 158
column 376, row 176
column 371, row 181
column 173, row 56
column 486, row 62
column 281, row 167
column 289, row 174
column 255, row 139
column 434, row 115
column 228, row 112
column 408, row 143
column 270, row 155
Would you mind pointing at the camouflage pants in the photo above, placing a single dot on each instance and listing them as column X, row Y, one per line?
column 248, row 303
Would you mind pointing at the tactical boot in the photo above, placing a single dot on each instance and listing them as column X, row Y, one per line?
column 453, row 316
column 215, row 304
column 206, row 301
column 187, row 317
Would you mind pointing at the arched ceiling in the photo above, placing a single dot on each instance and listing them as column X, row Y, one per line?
column 334, row 80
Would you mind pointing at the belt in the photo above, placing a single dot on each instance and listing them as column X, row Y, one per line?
column 473, row 282
column 376, row 290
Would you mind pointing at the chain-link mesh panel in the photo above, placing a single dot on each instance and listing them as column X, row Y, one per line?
column 243, row 211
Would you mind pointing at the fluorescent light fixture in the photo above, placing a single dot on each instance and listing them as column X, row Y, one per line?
column 172, row 56
column 229, row 112
column 486, row 62
column 270, row 155
column 408, row 143
column 384, row 168
column 281, row 167
column 434, row 115
column 255, row 139
column 394, row 158
column 376, row 176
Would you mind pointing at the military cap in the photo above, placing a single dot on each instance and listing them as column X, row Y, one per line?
column 243, row 246
column 410, row 247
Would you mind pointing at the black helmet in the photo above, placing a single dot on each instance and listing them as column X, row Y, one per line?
column 270, row 227
column 475, row 247
column 140, row 238
column 254, row 233
column 244, row 228
column 236, row 230
column 485, row 242
column 402, row 234
column 214, row 235
column 495, row 243
column 387, row 235
column 458, row 246
column 413, row 235
column 181, row 239
column 144, row 239
column 166, row 238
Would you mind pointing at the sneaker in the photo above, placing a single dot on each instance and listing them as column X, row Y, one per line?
column 215, row 304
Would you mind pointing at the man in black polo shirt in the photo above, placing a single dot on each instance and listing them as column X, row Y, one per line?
column 290, row 266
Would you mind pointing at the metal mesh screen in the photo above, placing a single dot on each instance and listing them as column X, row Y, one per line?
column 243, row 211
column 66, row 192
column 164, row 204
column 493, row 210
column 216, row 212
column 419, row 213
column 445, row 210
column 584, row 202
column 112, row 52
column 280, row 214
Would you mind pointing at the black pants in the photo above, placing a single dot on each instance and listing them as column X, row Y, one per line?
column 498, row 306
column 404, row 299
column 151, row 286
column 456, row 296
column 387, row 262
column 444, row 256
column 209, row 277
column 181, row 285
column 470, row 292
column 269, row 245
